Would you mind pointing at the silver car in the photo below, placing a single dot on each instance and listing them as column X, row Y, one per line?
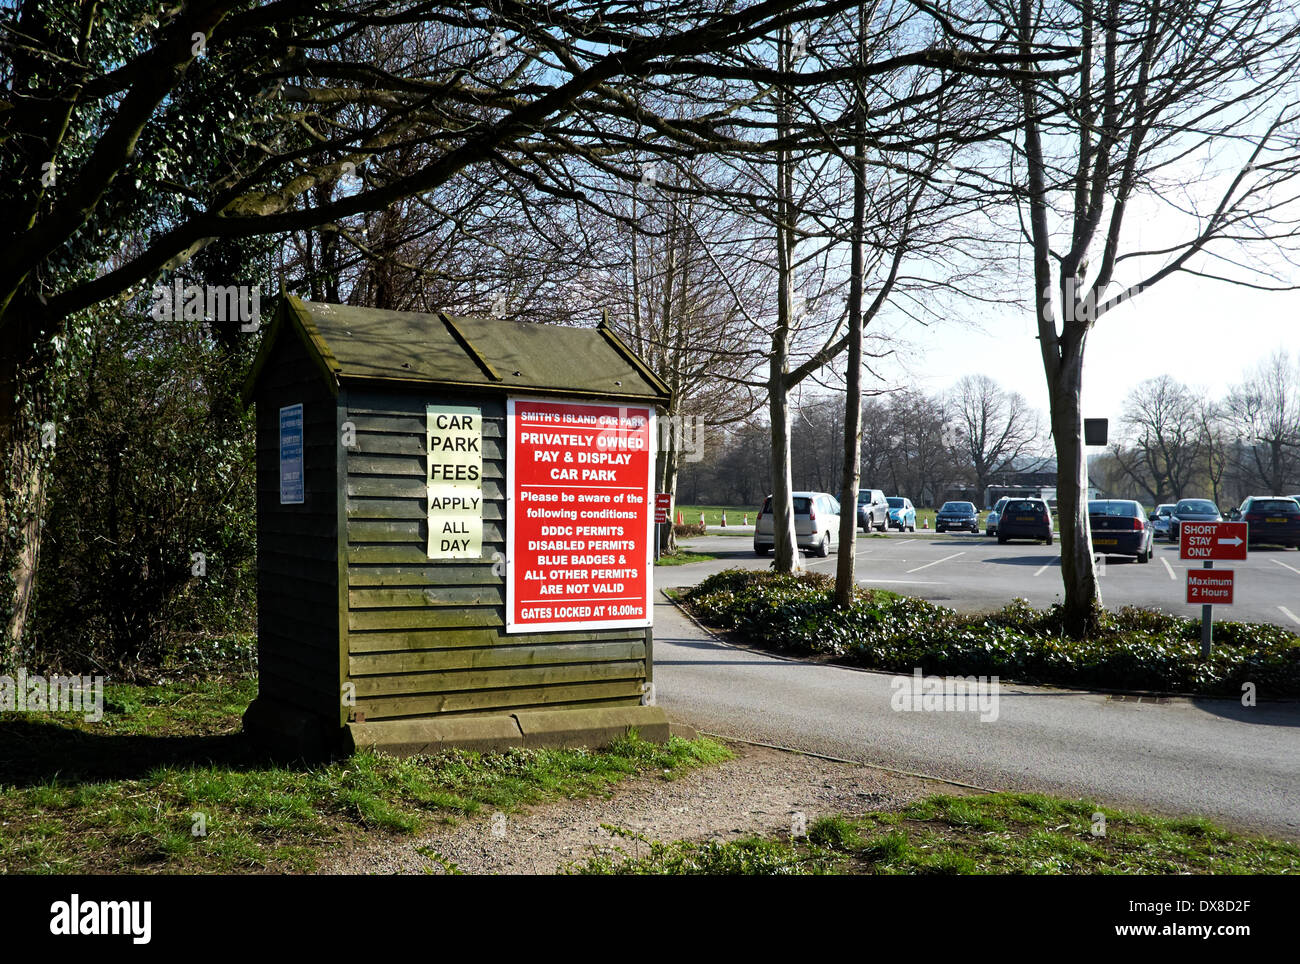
column 991, row 523
column 816, row 524
column 1160, row 520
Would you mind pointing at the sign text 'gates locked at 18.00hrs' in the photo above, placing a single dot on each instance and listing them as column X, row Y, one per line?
column 578, row 515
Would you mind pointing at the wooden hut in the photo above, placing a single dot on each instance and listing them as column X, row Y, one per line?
column 373, row 631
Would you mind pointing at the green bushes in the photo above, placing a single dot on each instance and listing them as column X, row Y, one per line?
column 149, row 542
column 1131, row 649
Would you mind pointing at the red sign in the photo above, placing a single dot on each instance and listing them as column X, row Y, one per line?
column 1212, row 540
column 663, row 506
column 1209, row 587
column 578, row 524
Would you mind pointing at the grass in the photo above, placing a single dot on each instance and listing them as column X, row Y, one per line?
column 713, row 513
column 165, row 783
column 1001, row 833
column 681, row 557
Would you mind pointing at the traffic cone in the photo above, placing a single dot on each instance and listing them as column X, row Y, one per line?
column 925, row 523
column 724, row 520
column 746, row 522
column 680, row 517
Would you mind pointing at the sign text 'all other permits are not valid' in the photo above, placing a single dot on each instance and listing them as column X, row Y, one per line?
column 578, row 515
column 454, row 437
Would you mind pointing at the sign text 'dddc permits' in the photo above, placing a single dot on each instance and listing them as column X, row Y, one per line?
column 578, row 515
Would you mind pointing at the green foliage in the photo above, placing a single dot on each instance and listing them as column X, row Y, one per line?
column 149, row 543
column 1130, row 648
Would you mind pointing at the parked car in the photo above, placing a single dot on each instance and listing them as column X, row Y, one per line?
column 1192, row 510
column 873, row 510
column 1274, row 521
column 816, row 524
column 957, row 515
column 902, row 514
column 1120, row 527
column 1160, row 520
column 1025, row 519
column 991, row 523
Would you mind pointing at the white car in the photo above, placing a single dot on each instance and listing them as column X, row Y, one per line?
column 816, row 524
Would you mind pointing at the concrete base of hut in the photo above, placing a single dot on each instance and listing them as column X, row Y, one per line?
column 531, row 728
column 289, row 733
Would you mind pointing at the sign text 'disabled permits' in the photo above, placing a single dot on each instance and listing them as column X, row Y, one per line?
column 1209, row 587
column 578, row 515
column 1212, row 541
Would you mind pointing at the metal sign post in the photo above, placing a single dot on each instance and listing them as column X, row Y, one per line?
column 1207, row 621
column 1208, row 541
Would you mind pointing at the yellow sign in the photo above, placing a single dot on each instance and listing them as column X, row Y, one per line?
column 454, row 437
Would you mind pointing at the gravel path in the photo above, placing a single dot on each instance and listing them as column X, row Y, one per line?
column 759, row 792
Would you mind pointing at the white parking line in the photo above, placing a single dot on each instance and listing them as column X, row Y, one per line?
column 936, row 562
column 1169, row 569
column 1043, row 569
column 903, row 542
column 1290, row 615
column 1285, row 566
column 910, row 582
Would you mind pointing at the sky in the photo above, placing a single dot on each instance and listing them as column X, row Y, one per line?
column 1203, row 333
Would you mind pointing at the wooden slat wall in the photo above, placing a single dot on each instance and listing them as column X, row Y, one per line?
column 428, row 637
column 297, row 545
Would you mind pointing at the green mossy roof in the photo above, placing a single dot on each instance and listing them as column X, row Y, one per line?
column 437, row 349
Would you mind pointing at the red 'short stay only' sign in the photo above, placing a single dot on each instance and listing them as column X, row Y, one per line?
column 579, row 507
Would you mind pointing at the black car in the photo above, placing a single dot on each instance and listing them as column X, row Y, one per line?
column 957, row 515
column 1273, row 521
column 1192, row 510
column 1025, row 519
column 1120, row 528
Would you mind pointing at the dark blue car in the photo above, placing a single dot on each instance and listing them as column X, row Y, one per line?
column 957, row 515
column 1026, row 519
column 1120, row 528
column 1274, row 521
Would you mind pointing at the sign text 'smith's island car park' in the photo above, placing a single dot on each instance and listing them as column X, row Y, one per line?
column 454, row 524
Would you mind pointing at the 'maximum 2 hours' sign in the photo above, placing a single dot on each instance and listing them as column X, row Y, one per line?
column 578, row 514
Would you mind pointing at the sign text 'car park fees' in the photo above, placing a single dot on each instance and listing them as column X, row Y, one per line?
column 454, row 482
column 1209, row 587
column 578, row 514
column 1212, row 541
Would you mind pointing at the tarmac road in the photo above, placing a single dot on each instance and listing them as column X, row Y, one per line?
column 1214, row 758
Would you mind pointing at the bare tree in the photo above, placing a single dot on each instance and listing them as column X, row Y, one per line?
column 994, row 427
column 1163, row 447
column 1263, row 411
column 1192, row 105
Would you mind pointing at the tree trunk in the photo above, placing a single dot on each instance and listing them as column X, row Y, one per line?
column 845, row 577
column 1082, row 591
column 785, row 550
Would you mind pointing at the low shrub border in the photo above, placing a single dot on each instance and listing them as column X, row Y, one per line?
column 1131, row 649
